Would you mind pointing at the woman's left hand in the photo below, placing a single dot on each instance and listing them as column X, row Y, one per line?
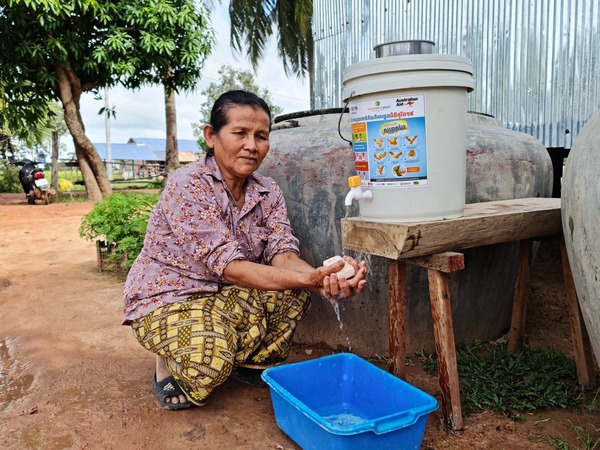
column 336, row 288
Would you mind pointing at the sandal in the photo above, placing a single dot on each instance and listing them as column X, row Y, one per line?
column 249, row 376
column 168, row 388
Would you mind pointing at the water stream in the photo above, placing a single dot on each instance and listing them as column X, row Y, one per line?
column 336, row 309
column 335, row 304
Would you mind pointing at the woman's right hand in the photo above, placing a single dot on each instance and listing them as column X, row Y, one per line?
column 336, row 288
column 288, row 271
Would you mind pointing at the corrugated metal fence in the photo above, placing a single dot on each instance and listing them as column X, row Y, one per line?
column 536, row 63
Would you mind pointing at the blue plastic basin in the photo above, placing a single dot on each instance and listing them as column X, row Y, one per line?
column 344, row 402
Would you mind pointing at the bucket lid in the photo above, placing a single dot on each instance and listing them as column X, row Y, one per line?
column 433, row 70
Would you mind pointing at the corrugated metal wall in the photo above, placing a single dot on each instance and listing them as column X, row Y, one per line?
column 536, row 62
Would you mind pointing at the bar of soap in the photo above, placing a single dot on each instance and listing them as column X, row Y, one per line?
column 347, row 272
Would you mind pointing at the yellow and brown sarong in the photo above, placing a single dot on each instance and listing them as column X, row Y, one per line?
column 204, row 337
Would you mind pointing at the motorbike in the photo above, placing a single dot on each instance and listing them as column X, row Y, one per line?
column 34, row 183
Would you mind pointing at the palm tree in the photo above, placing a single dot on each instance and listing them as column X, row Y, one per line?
column 253, row 23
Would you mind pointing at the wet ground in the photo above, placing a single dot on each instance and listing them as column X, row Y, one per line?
column 72, row 377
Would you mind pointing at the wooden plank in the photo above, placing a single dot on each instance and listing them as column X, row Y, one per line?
column 581, row 340
column 397, row 308
column 482, row 224
column 446, row 262
column 443, row 329
column 519, row 311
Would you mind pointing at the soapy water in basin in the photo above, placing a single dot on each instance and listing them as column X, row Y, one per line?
column 345, row 419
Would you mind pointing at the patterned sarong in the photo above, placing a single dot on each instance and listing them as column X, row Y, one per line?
column 205, row 336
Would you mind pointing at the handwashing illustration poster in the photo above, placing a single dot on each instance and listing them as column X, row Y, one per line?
column 388, row 138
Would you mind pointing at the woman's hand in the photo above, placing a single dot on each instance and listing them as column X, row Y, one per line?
column 336, row 288
column 288, row 271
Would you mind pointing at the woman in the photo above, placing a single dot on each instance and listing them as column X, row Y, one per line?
column 219, row 286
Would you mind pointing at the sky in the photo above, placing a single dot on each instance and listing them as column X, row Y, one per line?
column 142, row 113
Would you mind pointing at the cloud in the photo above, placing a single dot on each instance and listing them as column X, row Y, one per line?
column 142, row 114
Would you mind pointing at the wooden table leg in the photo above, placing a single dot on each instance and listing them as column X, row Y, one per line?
column 519, row 310
column 397, row 307
column 581, row 340
column 443, row 329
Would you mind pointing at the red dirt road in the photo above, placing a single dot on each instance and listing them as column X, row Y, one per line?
column 72, row 377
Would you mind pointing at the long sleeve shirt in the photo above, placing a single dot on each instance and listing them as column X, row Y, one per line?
column 196, row 230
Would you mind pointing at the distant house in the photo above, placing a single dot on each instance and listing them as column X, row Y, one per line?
column 148, row 150
column 145, row 157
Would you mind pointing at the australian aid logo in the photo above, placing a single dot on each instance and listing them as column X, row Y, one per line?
column 407, row 107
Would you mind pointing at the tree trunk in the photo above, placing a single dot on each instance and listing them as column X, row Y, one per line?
column 171, row 152
column 91, row 165
column 54, row 165
column 89, row 180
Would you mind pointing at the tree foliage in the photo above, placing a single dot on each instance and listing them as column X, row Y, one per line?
column 253, row 22
column 22, row 143
column 229, row 79
column 57, row 50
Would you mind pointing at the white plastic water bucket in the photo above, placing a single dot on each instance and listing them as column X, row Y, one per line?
column 408, row 116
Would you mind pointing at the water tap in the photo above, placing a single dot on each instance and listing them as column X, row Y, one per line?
column 356, row 192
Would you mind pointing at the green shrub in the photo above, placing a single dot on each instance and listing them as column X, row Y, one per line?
column 9, row 178
column 121, row 220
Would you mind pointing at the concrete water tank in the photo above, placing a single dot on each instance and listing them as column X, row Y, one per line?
column 312, row 163
column 580, row 204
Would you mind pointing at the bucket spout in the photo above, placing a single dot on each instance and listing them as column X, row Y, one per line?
column 356, row 193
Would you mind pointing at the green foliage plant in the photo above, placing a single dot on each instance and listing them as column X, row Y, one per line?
column 9, row 178
column 121, row 220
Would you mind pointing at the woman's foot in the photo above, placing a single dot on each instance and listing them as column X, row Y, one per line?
column 249, row 376
column 163, row 372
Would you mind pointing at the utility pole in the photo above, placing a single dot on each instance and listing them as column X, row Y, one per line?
column 107, row 110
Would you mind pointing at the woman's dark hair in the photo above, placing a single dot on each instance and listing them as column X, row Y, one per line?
column 231, row 99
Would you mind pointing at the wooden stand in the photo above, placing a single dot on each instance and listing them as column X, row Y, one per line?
column 431, row 245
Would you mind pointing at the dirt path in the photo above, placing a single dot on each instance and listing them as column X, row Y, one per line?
column 72, row 377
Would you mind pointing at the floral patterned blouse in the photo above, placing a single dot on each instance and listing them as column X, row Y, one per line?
column 197, row 229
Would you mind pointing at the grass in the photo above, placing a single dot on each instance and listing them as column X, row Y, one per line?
column 65, row 198
column 588, row 438
column 9, row 180
column 530, row 380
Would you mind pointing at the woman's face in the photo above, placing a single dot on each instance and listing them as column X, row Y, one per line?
column 241, row 145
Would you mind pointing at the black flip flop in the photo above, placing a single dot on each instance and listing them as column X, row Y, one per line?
column 168, row 388
column 249, row 376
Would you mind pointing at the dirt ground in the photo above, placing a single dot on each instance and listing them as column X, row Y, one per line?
column 72, row 377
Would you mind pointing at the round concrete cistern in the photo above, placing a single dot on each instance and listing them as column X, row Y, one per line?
column 312, row 163
column 580, row 204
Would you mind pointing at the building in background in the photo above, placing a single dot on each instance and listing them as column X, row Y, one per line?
column 145, row 157
column 148, row 149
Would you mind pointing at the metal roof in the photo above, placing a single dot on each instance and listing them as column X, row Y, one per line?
column 147, row 149
column 536, row 63
column 158, row 144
